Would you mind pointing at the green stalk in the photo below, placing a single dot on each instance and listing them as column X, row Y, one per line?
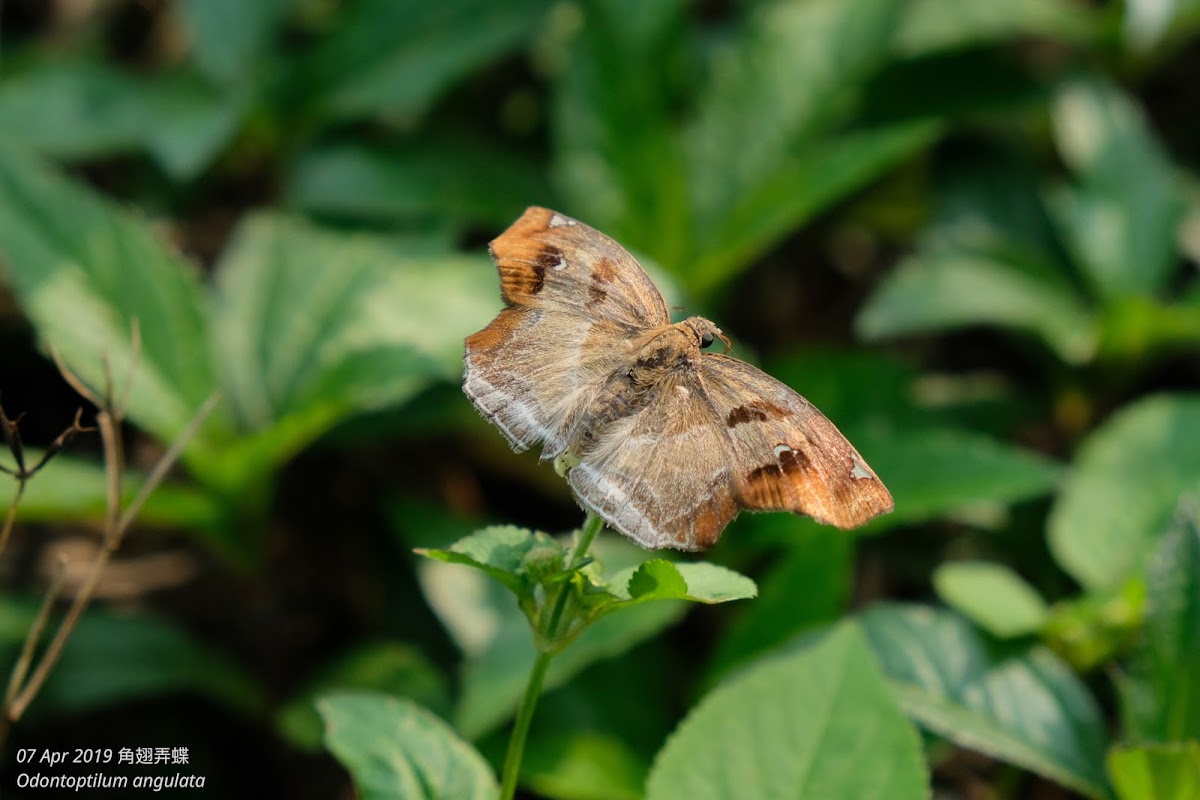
column 546, row 650
column 516, row 744
column 591, row 527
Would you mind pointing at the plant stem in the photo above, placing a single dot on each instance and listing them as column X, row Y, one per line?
column 591, row 527
column 546, row 650
column 516, row 744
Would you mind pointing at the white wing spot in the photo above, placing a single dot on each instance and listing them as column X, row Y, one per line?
column 558, row 220
column 860, row 471
column 562, row 263
column 780, row 449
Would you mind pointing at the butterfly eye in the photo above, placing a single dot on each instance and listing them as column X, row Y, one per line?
column 706, row 340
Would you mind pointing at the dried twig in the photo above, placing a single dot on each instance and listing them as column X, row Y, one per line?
column 111, row 404
column 115, row 526
column 22, row 474
column 35, row 633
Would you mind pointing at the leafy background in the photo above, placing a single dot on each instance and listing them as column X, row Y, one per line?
column 968, row 231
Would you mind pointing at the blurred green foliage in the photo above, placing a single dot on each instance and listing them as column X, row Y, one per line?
column 968, row 231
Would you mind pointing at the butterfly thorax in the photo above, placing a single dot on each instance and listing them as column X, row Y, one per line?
column 660, row 352
column 658, row 357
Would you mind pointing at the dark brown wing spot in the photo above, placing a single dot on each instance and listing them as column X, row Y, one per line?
column 539, row 278
column 791, row 460
column 604, row 271
column 550, row 258
column 758, row 411
column 743, row 414
column 763, row 473
column 521, row 280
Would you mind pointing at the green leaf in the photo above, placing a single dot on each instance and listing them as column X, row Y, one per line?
column 594, row 738
column 931, row 469
column 934, row 25
column 121, row 658
column 939, row 471
column 76, row 490
column 992, row 596
column 460, row 181
column 84, row 271
column 950, row 290
column 988, row 202
column 71, row 108
column 187, row 121
column 582, row 765
column 492, row 683
column 1023, row 706
column 484, row 620
column 1145, row 25
column 396, row 58
column 82, row 109
column 228, row 37
column 1156, row 772
column 1160, row 695
column 397, row 750
column 1120, row 496
column 312, row 327
column 392, row 668
column 816, row 722
column 1095, row 628
column 790, row 72
column 798, row 187
column 697, row 581
column 851, row 387
column 619, row 155
column 949, row 85
column 1121, row 218
column 501, row 552
column 806, row 585
column 1140, row 331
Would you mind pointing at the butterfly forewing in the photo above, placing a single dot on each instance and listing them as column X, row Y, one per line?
column 547, row 260
column 573, row 296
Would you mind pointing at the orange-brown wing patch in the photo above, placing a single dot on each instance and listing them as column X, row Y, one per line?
column 786, row 455
column 548, row 260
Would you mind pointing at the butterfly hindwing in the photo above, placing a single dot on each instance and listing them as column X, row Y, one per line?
column 788, row 456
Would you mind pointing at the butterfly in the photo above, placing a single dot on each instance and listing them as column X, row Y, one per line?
column 665, row 441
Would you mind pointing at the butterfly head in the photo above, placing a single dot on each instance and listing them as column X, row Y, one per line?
column 704, row 333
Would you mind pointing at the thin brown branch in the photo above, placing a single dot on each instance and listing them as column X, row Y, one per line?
column 10, row 518
column 74, row 382
column 114, row 469
column 61, row 442
column 12, row 437
column 35, row 633
column 167, row 461
column 115, row 528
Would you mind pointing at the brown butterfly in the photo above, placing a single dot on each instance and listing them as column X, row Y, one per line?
column 665, row 442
